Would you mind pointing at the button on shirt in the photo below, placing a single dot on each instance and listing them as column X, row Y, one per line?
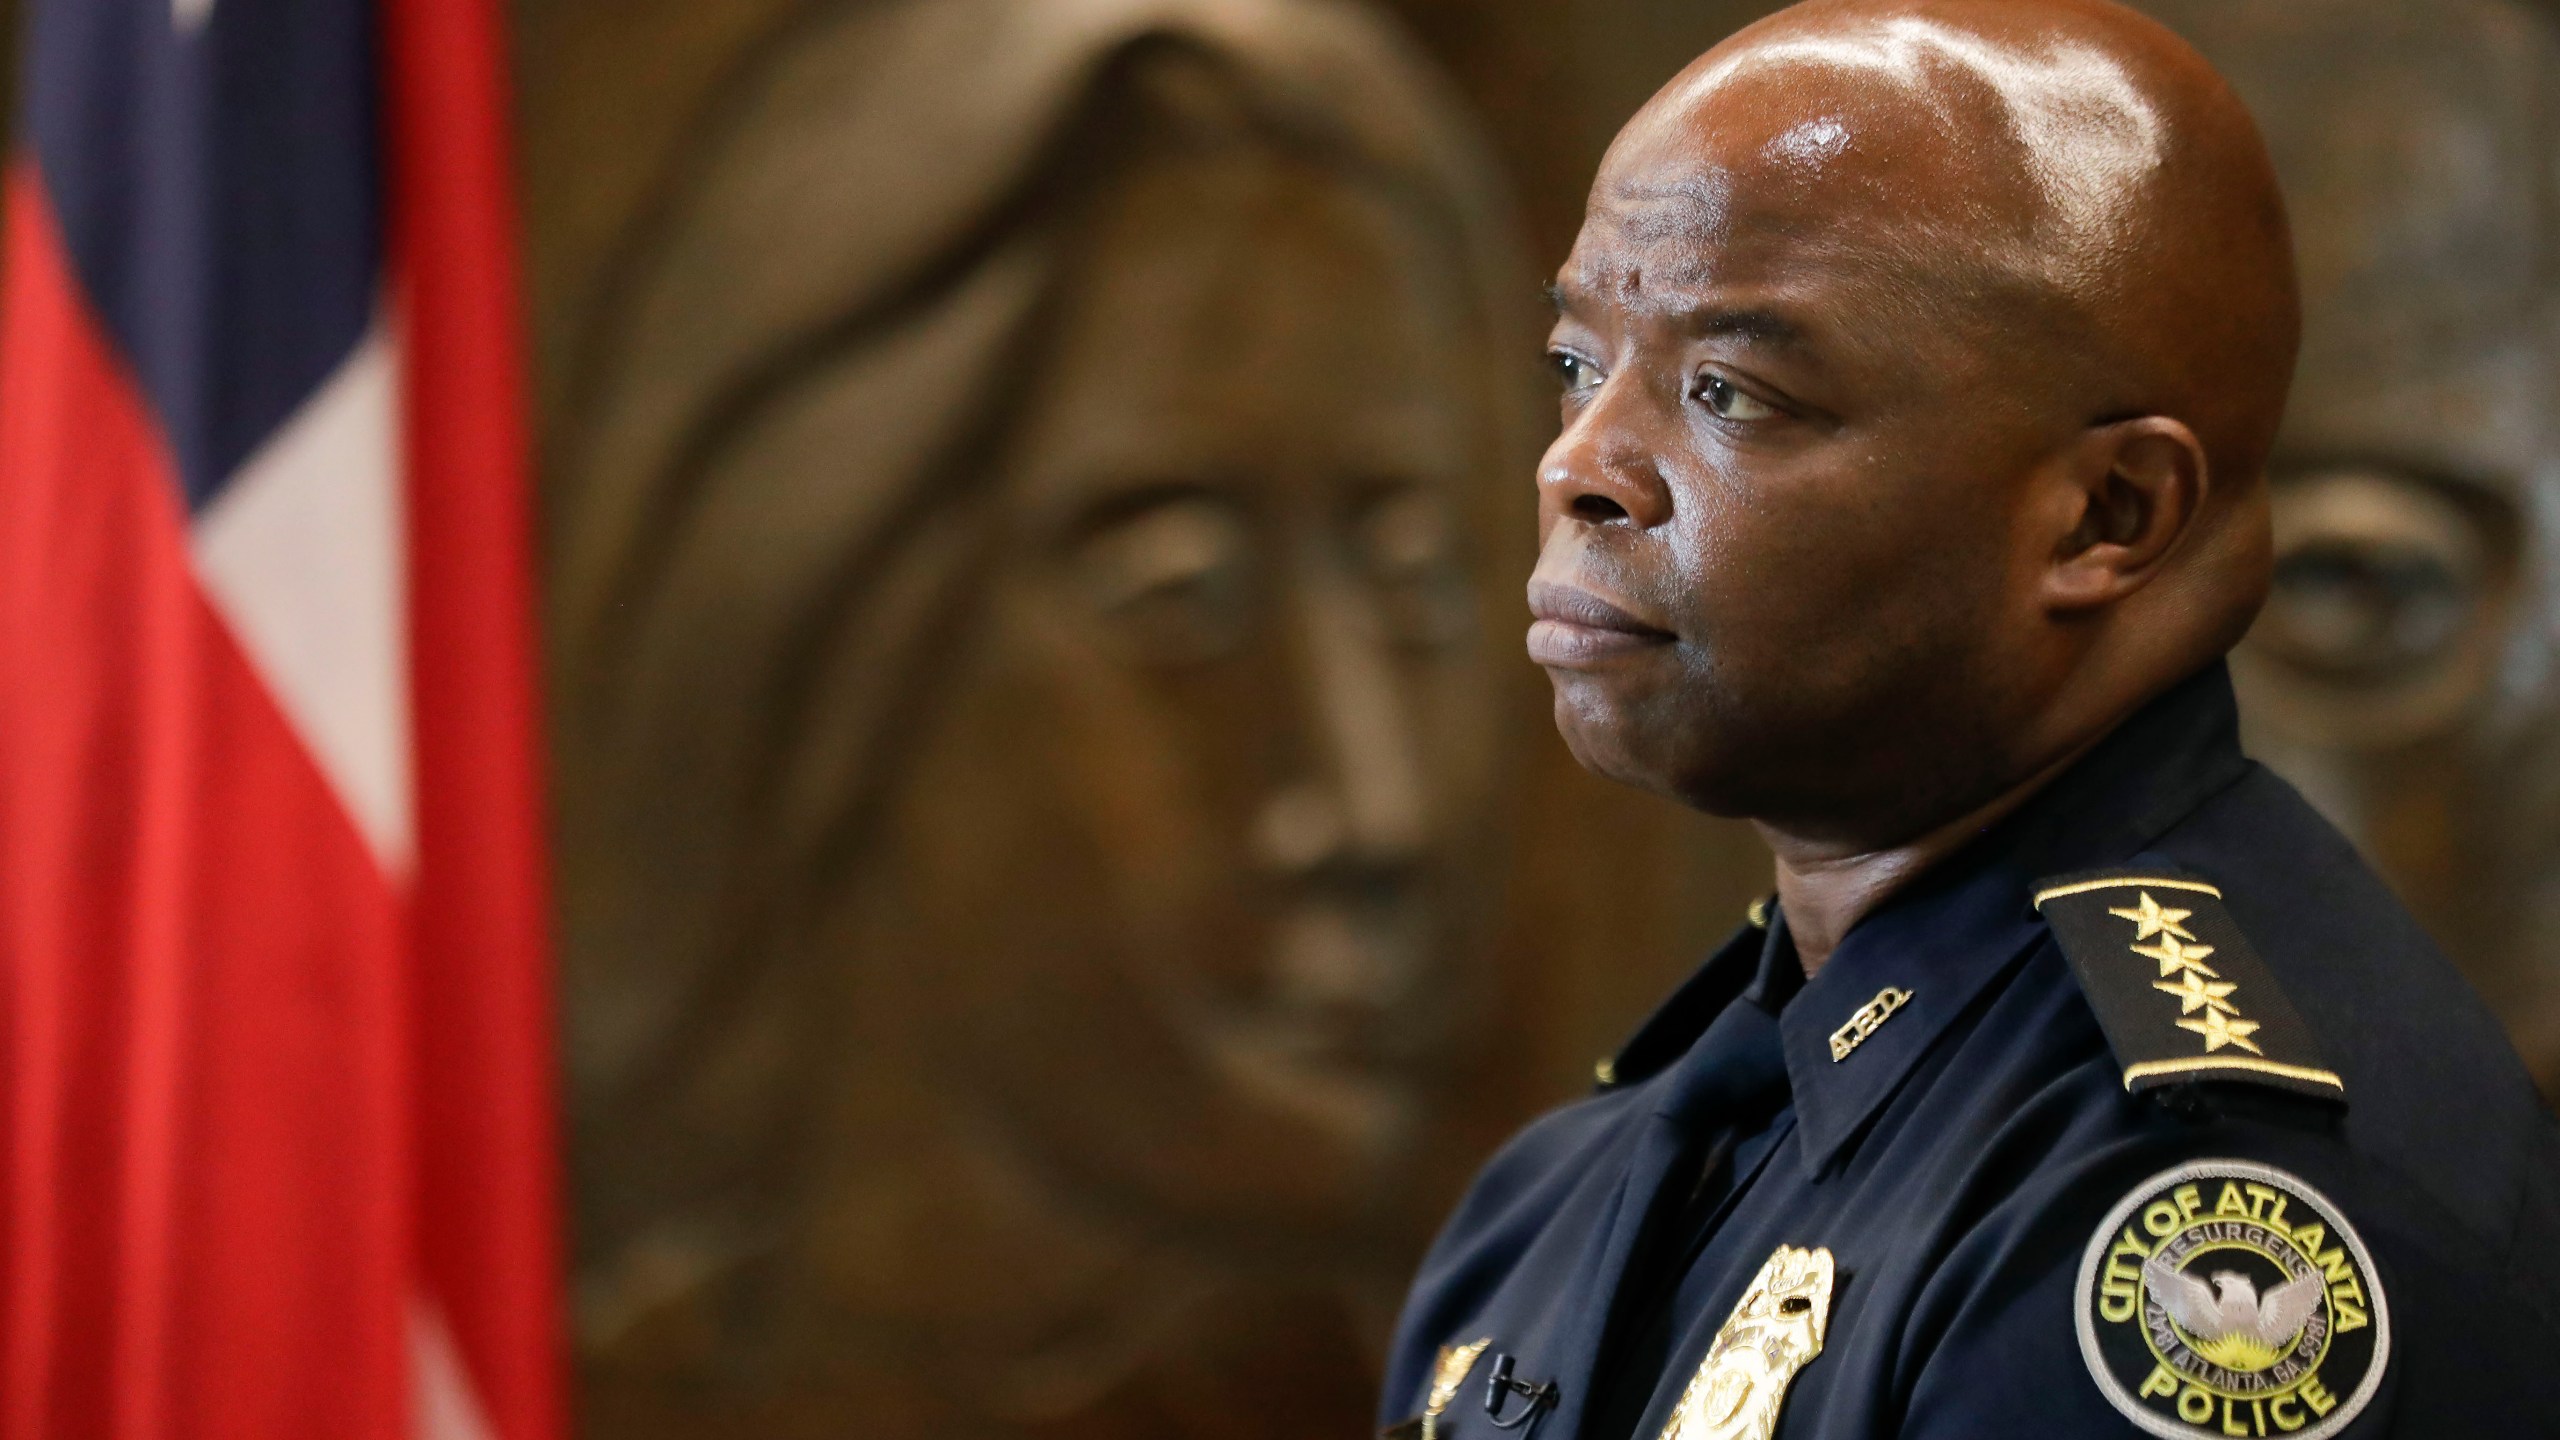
column 1958, row 1158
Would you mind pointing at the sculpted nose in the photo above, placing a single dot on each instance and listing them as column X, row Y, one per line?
column 1366, row 803
column 1604, row 469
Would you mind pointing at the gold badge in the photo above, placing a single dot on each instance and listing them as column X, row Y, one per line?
column 1446, row 1376
column 2230, row 1298
column 1773, row 1333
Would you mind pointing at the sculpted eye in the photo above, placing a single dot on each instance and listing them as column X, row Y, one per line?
column 1727, row 402
column 1407, row 543
column 2386, row 611
column 1171, row 578
column 1578, row 376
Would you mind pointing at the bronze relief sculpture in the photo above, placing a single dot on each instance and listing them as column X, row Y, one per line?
column 2404, row 672
column 1028, row 729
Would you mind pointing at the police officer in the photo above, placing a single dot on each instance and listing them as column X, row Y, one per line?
column 1921, row 361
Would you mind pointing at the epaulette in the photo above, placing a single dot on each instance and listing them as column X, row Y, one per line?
column 2178, row 990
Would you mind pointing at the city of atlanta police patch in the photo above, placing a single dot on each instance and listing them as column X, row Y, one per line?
column 2230, row 1298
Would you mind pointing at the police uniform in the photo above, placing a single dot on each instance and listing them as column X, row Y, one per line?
column 2148, row 1112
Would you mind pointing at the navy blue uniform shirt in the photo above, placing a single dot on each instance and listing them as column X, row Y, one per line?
column 2306, row 1191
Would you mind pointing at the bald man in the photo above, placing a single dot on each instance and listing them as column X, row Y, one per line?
column 1921, row 362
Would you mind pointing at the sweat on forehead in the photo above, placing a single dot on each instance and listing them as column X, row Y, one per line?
column 2068, row 148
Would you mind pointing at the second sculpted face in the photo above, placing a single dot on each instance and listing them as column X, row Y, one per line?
column 1780, row 527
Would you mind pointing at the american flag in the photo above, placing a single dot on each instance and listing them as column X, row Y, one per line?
column 276, row 1138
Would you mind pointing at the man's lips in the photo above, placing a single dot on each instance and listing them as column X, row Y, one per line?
column 1575, row 628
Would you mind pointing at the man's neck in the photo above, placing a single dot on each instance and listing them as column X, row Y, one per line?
column 1826, row 887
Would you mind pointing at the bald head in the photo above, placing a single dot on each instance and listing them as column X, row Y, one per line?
column 1922, row 359
column 2005, row 157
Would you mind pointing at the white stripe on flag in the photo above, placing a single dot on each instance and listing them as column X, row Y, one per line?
column 303, row 553
column 442, row 1406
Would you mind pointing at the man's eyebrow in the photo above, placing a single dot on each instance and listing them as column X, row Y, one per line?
column 1739, row 322
column 1745, row 324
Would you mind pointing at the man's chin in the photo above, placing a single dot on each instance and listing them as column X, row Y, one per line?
column 1604, row 738
column 1683, row 762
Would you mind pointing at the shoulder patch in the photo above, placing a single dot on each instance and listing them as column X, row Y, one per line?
column 2230, row 1298
column 2178, row 990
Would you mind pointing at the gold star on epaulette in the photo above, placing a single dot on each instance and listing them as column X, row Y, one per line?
column 2174, row 956
column 2153, row 918
column 2195, row 992
column 2219, row 1030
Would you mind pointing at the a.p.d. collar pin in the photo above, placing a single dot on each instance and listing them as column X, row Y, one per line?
column 1863, row 1024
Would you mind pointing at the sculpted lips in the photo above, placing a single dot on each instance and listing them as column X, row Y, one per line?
column 1575, row 628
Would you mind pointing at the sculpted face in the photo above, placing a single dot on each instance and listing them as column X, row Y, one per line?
column 1802, row 340
column 1198, row 842
column 1029, row 749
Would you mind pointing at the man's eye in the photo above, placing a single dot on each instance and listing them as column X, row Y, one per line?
column 1726, row 402
column 1577, row 375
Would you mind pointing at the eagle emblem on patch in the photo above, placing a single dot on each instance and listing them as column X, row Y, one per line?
column 2226, row 1297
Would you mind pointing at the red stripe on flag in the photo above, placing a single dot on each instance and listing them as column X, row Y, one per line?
column 487, row 1143
column 203, row 1200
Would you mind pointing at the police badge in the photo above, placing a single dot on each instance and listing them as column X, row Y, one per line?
column 2230, row 1298
column 1775, row 1330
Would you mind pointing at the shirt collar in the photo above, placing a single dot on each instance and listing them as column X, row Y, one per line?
column 1947, row 936
column 1756, row 964
column 1675, row 1024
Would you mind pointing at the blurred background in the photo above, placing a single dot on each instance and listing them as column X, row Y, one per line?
column 1064, row 869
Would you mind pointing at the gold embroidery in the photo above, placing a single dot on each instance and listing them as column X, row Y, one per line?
column 2198, row 986
column 2155, row 919
column 2117, row 882
column 2222, row 1295
column 2209, row 1006
column 2174, row 956
column 2194, row 992
column 2148, row 1068
column 2219, row 1029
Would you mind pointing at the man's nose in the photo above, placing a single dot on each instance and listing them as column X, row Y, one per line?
column 1363, row 800
column 1605, row 469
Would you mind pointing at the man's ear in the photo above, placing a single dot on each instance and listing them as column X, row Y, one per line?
column 2132, row 490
